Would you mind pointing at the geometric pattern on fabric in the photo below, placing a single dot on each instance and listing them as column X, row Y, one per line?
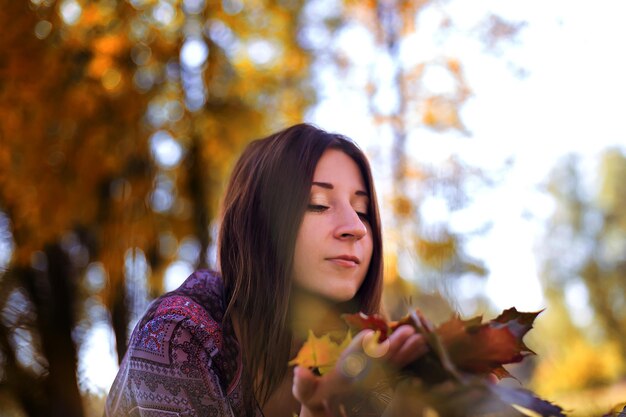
column 182, row 359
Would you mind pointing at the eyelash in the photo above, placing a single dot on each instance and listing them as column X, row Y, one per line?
column 317, row 208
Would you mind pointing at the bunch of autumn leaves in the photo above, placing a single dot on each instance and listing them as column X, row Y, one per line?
column 453, row 379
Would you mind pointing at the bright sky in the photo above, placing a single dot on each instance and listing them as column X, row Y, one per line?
column 571, row 100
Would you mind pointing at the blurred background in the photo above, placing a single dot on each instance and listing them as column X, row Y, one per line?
column 495, row 131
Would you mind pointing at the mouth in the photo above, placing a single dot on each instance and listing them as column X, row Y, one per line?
column 345, row 260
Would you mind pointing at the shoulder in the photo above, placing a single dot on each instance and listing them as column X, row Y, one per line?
column 193, row 311
column 206, row 288
column 176, row 356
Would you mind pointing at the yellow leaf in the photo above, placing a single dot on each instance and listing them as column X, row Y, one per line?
column 320, row 352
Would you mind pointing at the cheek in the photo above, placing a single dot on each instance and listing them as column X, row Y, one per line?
column 306, row 234
column 369, row 245
column 305, row 245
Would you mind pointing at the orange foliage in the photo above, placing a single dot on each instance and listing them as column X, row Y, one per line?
column 75, row 151
column 436, row 252
column 440, row 113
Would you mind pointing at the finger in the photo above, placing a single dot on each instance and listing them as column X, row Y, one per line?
column 413, row 347
column 373, row 348
column 304, row 384
column 398, row 338
column 307, row 389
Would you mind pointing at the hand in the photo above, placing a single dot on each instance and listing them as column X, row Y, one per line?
column 405, row 345
column 359, row 367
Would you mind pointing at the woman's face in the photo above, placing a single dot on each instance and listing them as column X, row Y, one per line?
column 334, row 242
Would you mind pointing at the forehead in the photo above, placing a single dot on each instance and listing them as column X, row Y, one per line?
column 339, row 169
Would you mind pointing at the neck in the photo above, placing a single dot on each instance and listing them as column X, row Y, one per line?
column 308, row 312
column 312, row 312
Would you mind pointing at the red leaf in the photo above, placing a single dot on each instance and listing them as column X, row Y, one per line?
column 484, row 348
column 415, row 319
column 459, row 348
column 518, row 323
column 361, row 321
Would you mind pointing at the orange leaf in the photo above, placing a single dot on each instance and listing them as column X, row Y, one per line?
column 478, row 348
column 484, row 348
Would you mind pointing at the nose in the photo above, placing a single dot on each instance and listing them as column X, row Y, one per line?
column 350, row 225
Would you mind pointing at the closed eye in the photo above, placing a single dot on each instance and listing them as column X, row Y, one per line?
column 317, row 208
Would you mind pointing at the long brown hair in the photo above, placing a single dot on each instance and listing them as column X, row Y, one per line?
column 262, row 210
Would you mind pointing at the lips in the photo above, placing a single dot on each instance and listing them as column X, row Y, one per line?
column 345, row 260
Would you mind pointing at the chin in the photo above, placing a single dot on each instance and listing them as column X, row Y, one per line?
column 341, row 295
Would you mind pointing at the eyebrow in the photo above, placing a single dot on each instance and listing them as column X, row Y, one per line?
column 329, row 186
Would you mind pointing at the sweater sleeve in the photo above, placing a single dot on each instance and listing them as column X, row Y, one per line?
column 168, row 369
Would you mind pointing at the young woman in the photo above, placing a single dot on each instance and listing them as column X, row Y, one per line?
column 299, row 244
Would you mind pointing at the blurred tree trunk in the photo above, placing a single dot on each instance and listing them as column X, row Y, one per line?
column 20, row 382
column 198, row 190
column 53, row 295
column 119, row 317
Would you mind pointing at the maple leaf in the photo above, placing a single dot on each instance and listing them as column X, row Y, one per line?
column 446, row 375
column 320, row 352
column 361, row 321
column 474, row 397
column 483, row 348
column 469, row 345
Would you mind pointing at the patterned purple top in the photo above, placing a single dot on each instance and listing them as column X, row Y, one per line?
column 181, row 360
